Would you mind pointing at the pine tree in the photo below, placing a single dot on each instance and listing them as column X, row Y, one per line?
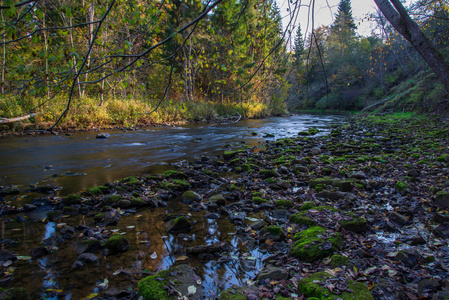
column 299, row 45
column 344, row 22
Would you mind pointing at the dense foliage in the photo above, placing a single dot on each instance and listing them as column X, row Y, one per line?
column 182, row 52
column 339, row 69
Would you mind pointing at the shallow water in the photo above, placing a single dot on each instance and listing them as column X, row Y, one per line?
column 81, row 161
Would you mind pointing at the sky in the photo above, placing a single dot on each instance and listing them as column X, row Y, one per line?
column 325, row 11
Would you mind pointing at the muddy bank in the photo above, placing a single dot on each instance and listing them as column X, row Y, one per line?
column 358, row 214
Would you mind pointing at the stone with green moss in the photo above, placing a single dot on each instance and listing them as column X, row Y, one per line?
column 111, row 199
column 175, row 185
column 245, row 167
column 137, row 202
column 95, row 191
column 339, row 261
column 235, row 162
column 357, row 225
column 302, row 219
column 234, row 293
column 265, row 173
column 181, row 278
column 271, row 180
column 174, row 174
column 283, row 203
column 179, row 224
column 229, row 154
column 314, row 243
column 313, row 286
column 233, row 187
column 71, row 199
column 320, row 181
column 54, row 215
column 189, row 197
column 307, row 205
column 117, row 243
column 442, row 198
column 14, row 294
column 443, row 158
column 259, row 200
column 401, row 187
column 274, row 233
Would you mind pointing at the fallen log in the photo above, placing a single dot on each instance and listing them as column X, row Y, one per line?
column 11, row 120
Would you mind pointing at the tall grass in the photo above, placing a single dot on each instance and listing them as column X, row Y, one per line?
column 87, row 114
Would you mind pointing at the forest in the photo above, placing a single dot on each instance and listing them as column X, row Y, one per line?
column 97, row 63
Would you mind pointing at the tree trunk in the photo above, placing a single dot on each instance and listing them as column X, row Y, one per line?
column 401, row 21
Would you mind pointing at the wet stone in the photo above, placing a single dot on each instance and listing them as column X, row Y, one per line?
column 428, row 285
column 103, row 135
column 29, row 207
column 38, row 252
column 6, row 255
column 409, row 257
column 331, row 195
column 397, row 218
column 88, row 258
column 357, row 175
column 440, row 218
column 212, row 216
column 86, row 245
column 272, row 273
column 237, row 217
column 442, row 199
column 442, row 231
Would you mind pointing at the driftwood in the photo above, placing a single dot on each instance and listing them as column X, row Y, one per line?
column 11, row 120
column 377, row 103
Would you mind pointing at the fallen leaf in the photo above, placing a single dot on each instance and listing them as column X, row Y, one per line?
column 191, row 290
column 269, row 242
column 182, row 258
column 153, row 256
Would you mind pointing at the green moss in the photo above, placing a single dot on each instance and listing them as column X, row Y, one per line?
column 257, row 194
column 307, row 205
column 339, row 260
column 14, row 294
column 259, row 200
column 117, row 243
column 311, row 287
column 322, row 181
column 95, row 191
column 443, row 158
column 234, row 162
column 53, row 215
column 271, row 180
column 111, row 199
column 357, row 225
column 175, row 185
column 229, row 154
column 284, row 203
column 245, row 167
column 401, row 186
column 233, row 187
column 265, row 173
column 314, row 243
column 302, row 219
column 137, row 202
column 72, row 199
column 152, row 287
column 174, row 174
column 313, row 131
column 274, row 230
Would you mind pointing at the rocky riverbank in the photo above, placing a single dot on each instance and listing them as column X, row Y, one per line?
column 358, row 214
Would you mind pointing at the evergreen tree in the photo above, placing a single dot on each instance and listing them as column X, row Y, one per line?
column 344, row 22
column 299, row 46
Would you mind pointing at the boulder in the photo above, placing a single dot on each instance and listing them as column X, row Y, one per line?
column 117, row 243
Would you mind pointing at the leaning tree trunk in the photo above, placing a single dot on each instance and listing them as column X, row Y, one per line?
column 401, row 21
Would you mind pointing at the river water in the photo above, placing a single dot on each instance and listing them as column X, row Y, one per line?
column 77, row 162
column 81, row 161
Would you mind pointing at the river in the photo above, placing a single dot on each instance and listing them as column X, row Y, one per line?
column 79, row 161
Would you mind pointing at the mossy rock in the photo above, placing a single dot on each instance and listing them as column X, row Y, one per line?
column 131, row 181
column 443, row 158
column 117, row 243
column 313, row 131
column 274, row 233
column 339, row 261
column 70, row 210
column 138, row 202
column 95, row 191
column 314, row 243
column 14, row 294
column 233, row 293
column 303, row 133
column 283, row 203
column 174, row 174
column 86, row 246
column 320, row 181
column 72, row 199
column 99, row 217
column 54, row 215
column 302, row 219
column 175, row 185
column 181, row 278
column 246, row 167
column 259, row 200
column 190, row 196
column 357, row 225
column 265, row 173
column 311, row 287
column 401, row 187
column 307, row 205
column 179, row 224
column 227, row 155
column 111, row 199
column 235, row 162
